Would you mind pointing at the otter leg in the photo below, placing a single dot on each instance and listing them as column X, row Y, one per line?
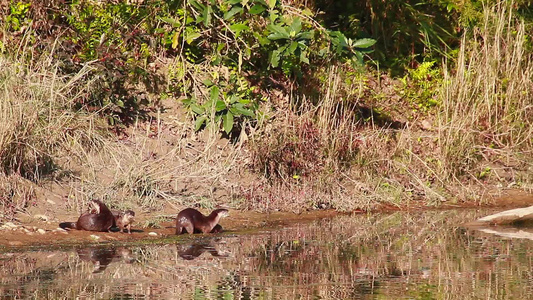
column 184, row 223
column 189, row 227
column 129, row 228
column 179, row 228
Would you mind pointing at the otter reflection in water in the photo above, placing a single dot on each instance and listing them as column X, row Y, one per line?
column 196, row 248
column 102, row 257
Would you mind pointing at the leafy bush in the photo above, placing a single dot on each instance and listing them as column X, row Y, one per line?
column 253, row 39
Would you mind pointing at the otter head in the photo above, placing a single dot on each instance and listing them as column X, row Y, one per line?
column 129, row 216
column 221, row 212
column 94, row 206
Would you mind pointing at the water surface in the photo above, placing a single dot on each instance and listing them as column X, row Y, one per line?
column 423, row 255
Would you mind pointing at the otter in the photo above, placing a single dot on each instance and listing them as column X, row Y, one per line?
column 101, row 220
column 193, row 221
column 123, row 219
column 217, row 229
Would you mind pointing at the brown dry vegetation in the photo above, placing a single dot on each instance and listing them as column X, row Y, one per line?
column 359, row 146
column 473, row 145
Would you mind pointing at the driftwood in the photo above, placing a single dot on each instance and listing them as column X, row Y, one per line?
column 513, row 216
column 509, row 232
column 518, row 216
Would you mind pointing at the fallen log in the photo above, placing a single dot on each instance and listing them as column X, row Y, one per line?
column 519, row 217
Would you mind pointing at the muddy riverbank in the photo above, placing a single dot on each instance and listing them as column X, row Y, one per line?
column 34, row 232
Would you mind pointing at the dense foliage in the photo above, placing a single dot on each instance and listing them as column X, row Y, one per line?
column 246, row 41
column 399, row 99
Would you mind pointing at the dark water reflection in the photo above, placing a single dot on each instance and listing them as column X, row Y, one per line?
column 393, row 256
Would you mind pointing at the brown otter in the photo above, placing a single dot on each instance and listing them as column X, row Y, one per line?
column 217, row 229
column 102, row 220
column 123, row 219
column 194, row 221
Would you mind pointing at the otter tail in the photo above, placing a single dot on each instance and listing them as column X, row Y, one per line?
column 68, row 225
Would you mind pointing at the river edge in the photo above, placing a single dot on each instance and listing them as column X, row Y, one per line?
column 30, row 235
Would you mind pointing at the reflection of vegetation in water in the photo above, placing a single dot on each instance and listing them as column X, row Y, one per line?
column 401, row 255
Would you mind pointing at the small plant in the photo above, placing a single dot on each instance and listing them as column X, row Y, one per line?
column 222, row 109
column 18, row 15
column 254, row 39
column 292, row 42
column 421, row 85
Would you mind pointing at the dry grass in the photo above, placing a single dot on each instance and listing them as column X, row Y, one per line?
column 479, row 140
column 487, row 112
column 329, row 155
column 177, row 169
column 38, row 124
column 71, row 152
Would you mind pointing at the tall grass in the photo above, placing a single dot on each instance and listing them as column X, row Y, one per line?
column 38, row 122
column 39, row 128
column 481, row 139
column 487, row 111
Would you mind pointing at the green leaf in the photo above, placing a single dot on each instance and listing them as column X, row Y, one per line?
column 307, row 12
column 197, row 109
column 364, row 43
column 279, row 32
column 227, row 121
column 277, row 36
column 207, row 82
column 197, row 5
column 170, row 21
column 295, row 27
column 207, row 15
column 257, row 9
column 359, row 56
column 238, row 27
column 213, row 94
column 220, row 105
column 175, row 40
column 189, row 20
column 271, row 3
column 303, row 57
column 292, row 47
column 233, row 11
column 273, row 15
column 263, row 41
column 323, row 51
column 233, row 99
column 242, row 111
column 199, row 122
column 306, row 35
column 274, row 59
column 190, row 36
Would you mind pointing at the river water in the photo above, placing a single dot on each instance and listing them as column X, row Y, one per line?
column 422, row 255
